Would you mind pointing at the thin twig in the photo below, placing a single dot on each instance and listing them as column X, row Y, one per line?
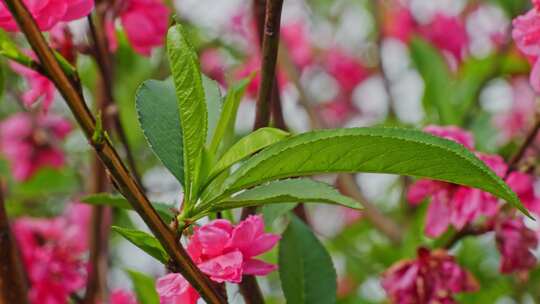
column 269, row 58
column 13, row 284
column 97, row 280
column 268, row 93
column 529, row 140
column 103, row 61
column 124, row 181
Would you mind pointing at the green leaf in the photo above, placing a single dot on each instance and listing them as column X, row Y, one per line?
column 107, row 199
column 10, row 50
column 144, row 287
column 437, row 81
column 192, row 105
column 145, row 242
column 214, row 104
column 247, row 146
column 305, row 267
column 286, row 191
column 228, row 115
column 159, row 119
column 376, row 150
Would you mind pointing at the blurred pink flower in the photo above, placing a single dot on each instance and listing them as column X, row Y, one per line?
column 523, row 186
column 452, row 133
column 398, row 23
column 520, row 116
column 526, row 34
column 32, row 143
column 298, row 45
column 213, row 65
column 39, row 86
column 536, row 4
column 457, row 205
column 346, row 69
column 52, row 251
column 120, row 296
column 48, row 13
column 433, row 277
column 336, row 113
column 146, row 23
column 225, row 253
column 515, row 242
column 447, row 33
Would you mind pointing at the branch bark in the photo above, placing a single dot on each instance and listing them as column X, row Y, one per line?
column 122, row 178
column 13, row 285
column 267, row 95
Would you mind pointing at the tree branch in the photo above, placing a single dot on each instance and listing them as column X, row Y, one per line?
column 110, row 109
column 124, row 181
column 13, row 285
column 267, row 95
column 270, row 47
column 529, row 140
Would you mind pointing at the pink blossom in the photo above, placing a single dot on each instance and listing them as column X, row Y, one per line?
column 40, row 87
column 398, row 23
column 526, row 34
column 433, row 277
column 536, row 4
column 48, row 13
column 30, row 143
column 523, row 186
column 335, row 113
column 213, row 65
column 515, row 242
column 52, row 253
column 347, row 70
column 518, row 119
column 120, row 296
column 213, row 244
column 298, row 45
column 174, row 289
column 145, row 23
column 452, row 133
column 447, row 33
column 225, row 253
column 459, row 206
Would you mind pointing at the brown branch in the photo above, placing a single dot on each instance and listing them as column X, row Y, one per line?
column 268, row 94
column 96, row 284
column 465, row 232
column 529, row 140
column 103, row 60
column 13, row 284
column 124, row 181
column 384, row 224
column 269, row 58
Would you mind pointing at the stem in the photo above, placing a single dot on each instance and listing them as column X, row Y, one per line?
column 269, row 58
column 99, row 235
column 268, row 94
column 467, row 231
column 384, row 224
column 529, row 140
column 124, row 181
column 13, row 285
column 103, row 61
